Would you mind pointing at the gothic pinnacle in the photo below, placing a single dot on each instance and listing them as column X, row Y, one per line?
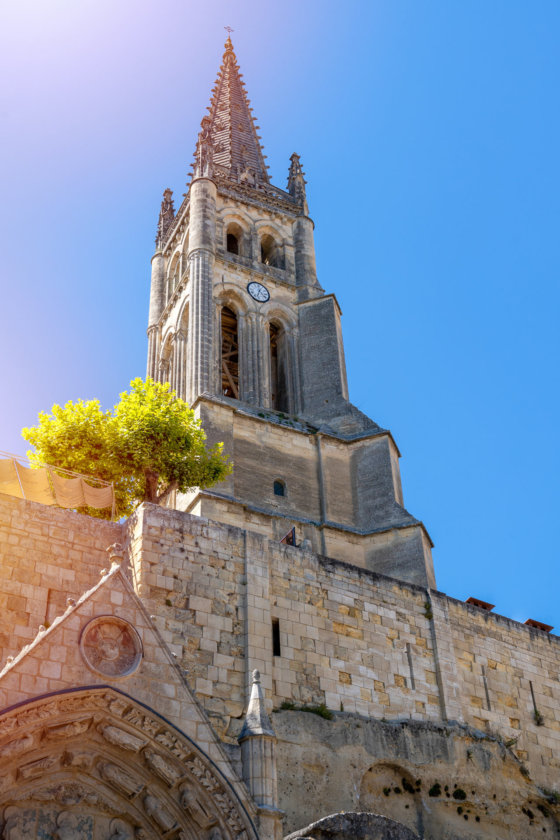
column 166, row 216
column 296, row 182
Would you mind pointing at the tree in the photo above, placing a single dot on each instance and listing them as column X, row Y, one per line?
column 150, row 444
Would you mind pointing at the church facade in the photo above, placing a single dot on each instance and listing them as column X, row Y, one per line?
column 270, row 657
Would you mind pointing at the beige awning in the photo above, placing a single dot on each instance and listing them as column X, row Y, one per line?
column 44, row 485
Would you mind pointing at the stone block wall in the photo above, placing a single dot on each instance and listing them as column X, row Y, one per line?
column 349, row 638
column 46, row 555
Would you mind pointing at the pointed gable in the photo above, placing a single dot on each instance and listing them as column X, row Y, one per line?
column 237, row 152
column 65, row 656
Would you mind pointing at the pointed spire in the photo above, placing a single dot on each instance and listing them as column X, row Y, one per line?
column 166, row 217
column 229, row 138
column 257, row 721
column 297, row 182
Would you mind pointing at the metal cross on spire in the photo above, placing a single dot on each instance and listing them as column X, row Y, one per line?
column 229, row 30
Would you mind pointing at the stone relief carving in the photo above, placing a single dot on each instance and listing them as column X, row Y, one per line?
column 36, row 768
column 13, row 824
column 225, row 803
column 67, row 717
column 67, row 730
column 190, row 803
column 167, row 739
column 68, row 793
column 71, row 826
column 121, row 738
column 15, row 747
column 78, row 759
column 111, row 646
column 120, row 779
column 158, row 813
column 121, row 830
column 149, row 725
column 161, row 767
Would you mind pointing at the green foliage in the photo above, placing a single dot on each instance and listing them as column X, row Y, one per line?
column 435, row 790
column 149, row 445
column 459, row 794
column 539, row 719
column 321, row 709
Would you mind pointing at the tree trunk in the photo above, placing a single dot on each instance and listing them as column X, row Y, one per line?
column 151, row 492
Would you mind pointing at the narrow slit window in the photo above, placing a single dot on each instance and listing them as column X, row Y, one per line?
column 276, row 650
column 279, row 488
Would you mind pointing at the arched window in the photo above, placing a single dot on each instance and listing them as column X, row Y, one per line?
column 269, row 250
column 278, row 385
column 230, row 354
column 232, row 244
column 234, row 239
column 279, row 488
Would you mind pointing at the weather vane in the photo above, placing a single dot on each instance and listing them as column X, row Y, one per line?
column 229, row 30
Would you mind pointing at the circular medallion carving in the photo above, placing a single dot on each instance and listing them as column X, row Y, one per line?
column 111, row 646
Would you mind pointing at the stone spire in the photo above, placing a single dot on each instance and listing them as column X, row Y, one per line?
column 166, row 217
column 229, row 132
column 297, row 182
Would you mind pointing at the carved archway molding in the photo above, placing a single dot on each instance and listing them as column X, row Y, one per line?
column 93, row 764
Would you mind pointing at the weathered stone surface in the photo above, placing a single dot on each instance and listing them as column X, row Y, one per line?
column 354, row 826
column 439, row 780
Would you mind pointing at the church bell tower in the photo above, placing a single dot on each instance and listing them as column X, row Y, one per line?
column 242, row 329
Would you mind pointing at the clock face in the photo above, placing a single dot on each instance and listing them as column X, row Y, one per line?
column 258, row 292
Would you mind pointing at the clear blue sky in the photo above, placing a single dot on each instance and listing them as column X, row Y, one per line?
column 429, row 132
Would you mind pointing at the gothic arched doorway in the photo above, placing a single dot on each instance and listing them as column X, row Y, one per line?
column 94, row 764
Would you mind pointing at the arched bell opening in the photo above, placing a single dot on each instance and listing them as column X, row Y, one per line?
column 230, row 353
column 278, row 369
column 271, row 253
column 234, row 239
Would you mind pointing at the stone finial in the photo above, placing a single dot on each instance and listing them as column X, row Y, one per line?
column 166, row 217
column 257, row 721
column 70, row 602
column 115, row 553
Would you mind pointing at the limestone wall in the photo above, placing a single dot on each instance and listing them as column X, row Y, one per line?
column 349, row 638
column 46, row 555
column 439, row 780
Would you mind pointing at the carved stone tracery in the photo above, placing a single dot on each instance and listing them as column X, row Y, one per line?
column 100, row 767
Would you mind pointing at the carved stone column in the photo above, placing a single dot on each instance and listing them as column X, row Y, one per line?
column 292, row 365
column 178, row 383
column 201, row 265
column 250, row 359
column 153, row 352
column 157, row 302
column 262, row 362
